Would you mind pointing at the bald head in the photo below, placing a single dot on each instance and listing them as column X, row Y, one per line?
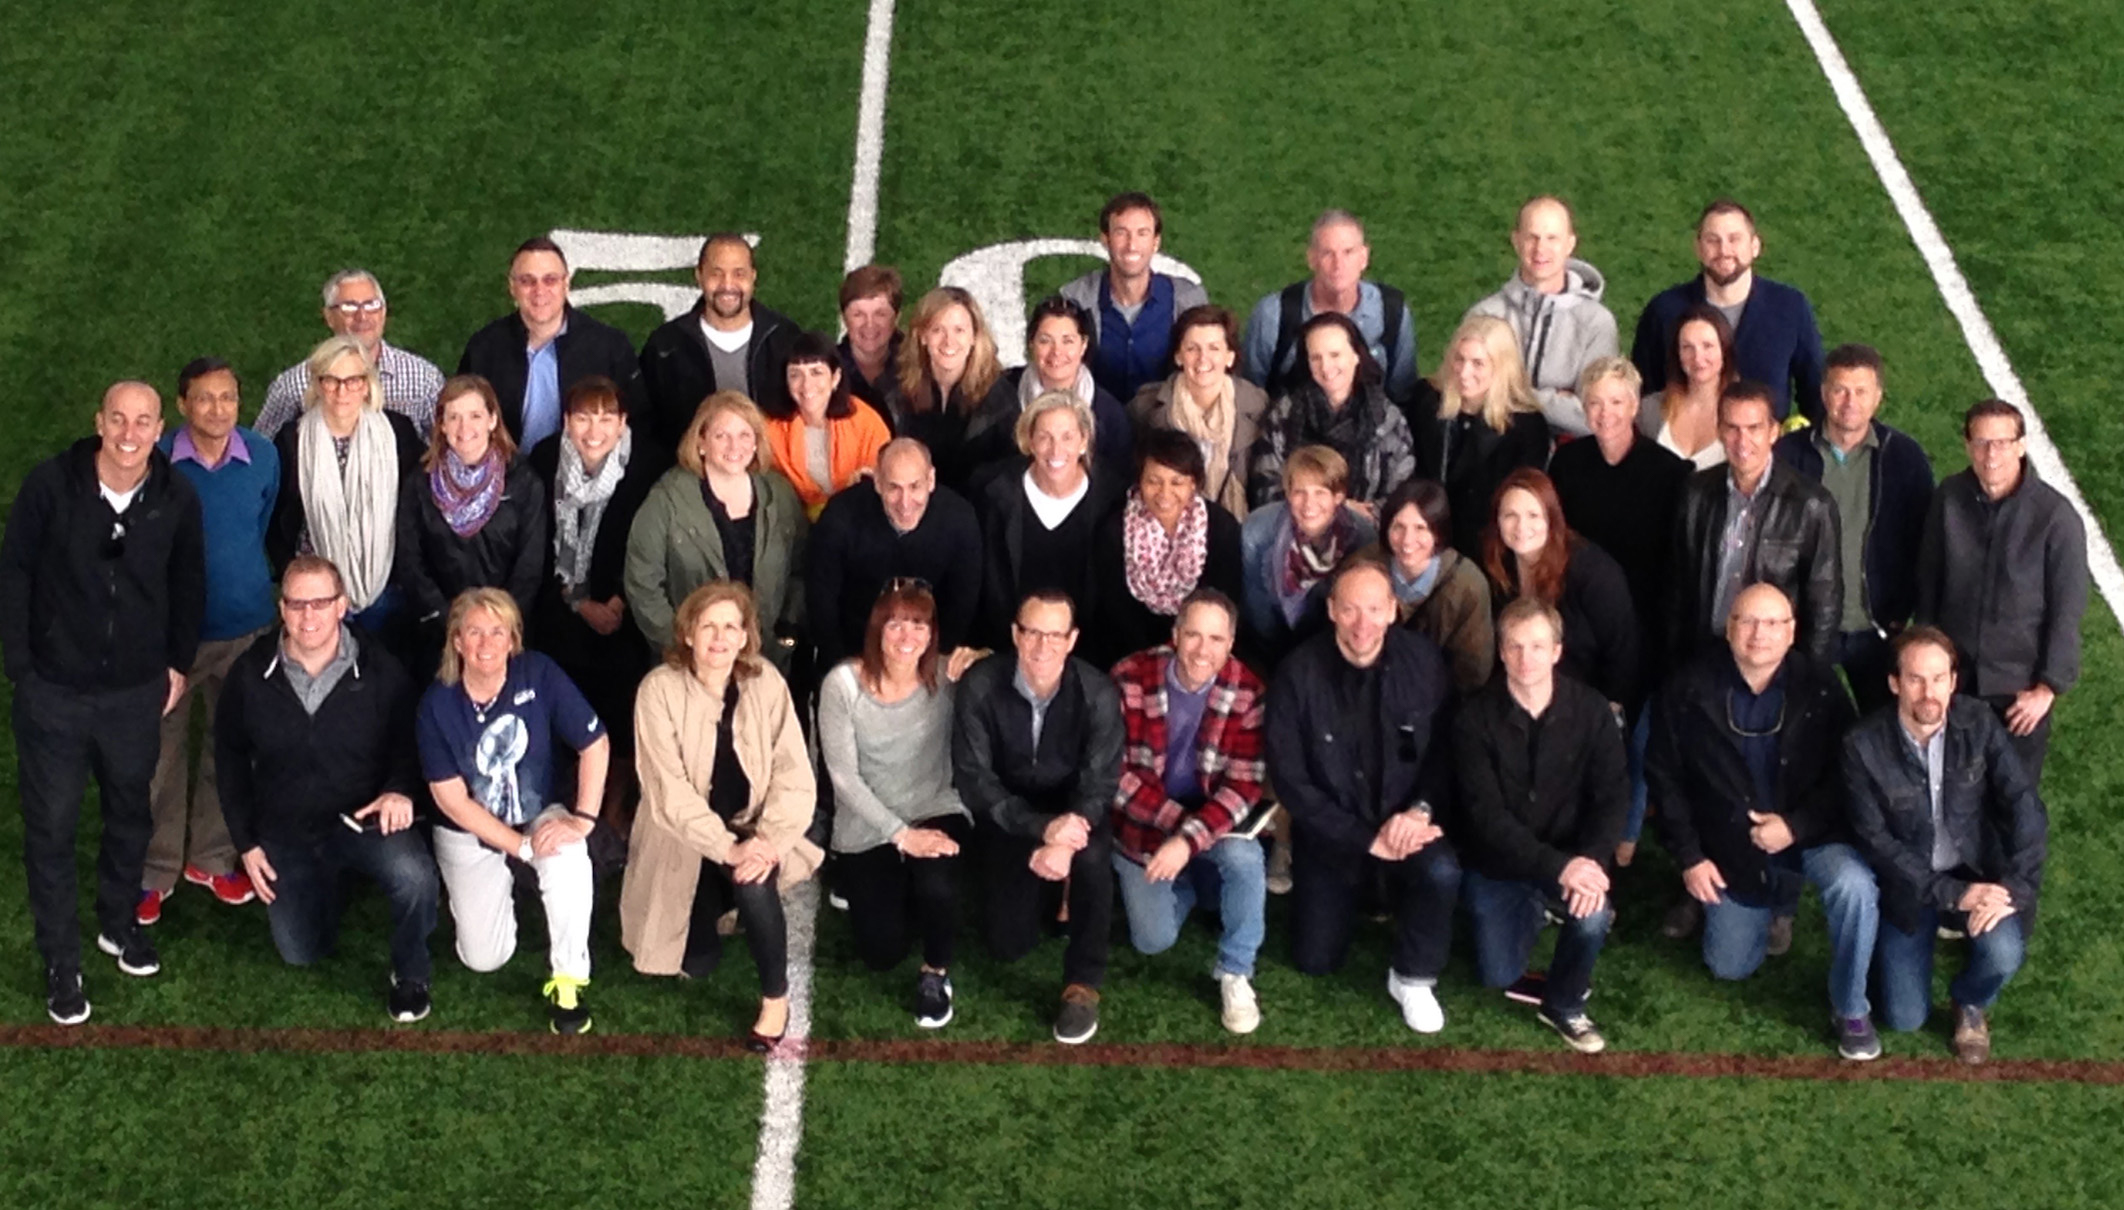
column 128, row 424
column 1760, row 629
column 1544, row 239
column 1361, row 605
column 905, row 479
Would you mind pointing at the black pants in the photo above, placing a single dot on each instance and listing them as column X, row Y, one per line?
column 1867, row 663
column 759, row 909
column 2033, row 747
column 888, row 890
column 1327, row 885
column 1019, row 901
column 61, row 736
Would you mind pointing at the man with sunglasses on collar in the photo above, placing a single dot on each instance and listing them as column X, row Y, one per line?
column 1744, row 767
column 102, row 592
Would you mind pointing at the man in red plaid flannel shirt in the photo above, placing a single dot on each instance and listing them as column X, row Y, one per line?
column 1191, row 773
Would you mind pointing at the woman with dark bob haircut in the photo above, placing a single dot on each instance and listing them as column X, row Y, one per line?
column 1438, row 592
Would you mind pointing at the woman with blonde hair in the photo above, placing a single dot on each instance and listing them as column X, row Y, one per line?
column 1487, row 425
column 1041, row 512
column 719, row 515
column 727, row 791
column 952, row 389
column 341, row 465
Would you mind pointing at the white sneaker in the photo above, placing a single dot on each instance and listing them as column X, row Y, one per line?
column 1242, row 1012
column 1419, row 1007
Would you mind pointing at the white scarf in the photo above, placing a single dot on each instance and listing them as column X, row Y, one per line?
column 1030, row 387
column 1212, row 429
column 579, row 501
column 353, row 519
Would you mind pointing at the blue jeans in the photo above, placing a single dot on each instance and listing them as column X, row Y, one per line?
column 1508, row 918
column 1906, row 968
column 1637, row 741
column 1736, row 935
column 307, row 900
column 1232, row 870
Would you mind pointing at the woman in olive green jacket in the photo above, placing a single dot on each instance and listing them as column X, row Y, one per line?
column 720, row 515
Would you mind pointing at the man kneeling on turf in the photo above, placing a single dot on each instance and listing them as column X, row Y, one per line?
column 1350, row 752
column 1190, row 771
column 313, row 741
column 487, row 727
column 1943, row 805
column 1743, row 765
column 1544, row 791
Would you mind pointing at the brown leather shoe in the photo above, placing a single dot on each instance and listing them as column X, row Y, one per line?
column 1780, row 942
column 1972, row 1035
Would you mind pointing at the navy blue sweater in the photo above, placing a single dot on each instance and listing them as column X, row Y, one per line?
column 1775, row 343
column 1902, row 496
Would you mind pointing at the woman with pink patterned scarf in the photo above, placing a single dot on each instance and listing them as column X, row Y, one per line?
column 474, row 517
column 1166, row 541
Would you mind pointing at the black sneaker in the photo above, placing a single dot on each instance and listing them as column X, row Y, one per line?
column 1682, row 920
column 1577, row 1030
column 565, row 1011
column 1528, row 988
column 63, row 997
column 1079, row 1018
column 1780, row 942
column 933, row 1000
column 134, row 952
column 409, row 1000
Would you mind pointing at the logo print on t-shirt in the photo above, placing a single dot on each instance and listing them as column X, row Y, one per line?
column 501, row 748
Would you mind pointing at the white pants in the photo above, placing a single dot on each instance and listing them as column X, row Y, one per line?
column 483, row 900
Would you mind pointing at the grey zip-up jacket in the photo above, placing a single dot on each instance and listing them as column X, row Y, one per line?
column 1559, row 336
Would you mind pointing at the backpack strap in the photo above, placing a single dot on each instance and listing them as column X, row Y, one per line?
column 1293, row 300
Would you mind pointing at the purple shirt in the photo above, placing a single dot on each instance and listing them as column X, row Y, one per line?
column 1183, row 721
column 182, row 448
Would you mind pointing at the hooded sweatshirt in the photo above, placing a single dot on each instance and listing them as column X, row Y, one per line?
column 1559, row 335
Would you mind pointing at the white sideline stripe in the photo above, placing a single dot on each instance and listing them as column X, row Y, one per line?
column 782, row 1113
column 1954, row 289
column 870, row 139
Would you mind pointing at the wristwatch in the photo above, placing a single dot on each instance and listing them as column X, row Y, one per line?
column 524, row 851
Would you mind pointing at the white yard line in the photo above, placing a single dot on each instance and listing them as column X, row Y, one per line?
column 1954, row 288
column 870, row 139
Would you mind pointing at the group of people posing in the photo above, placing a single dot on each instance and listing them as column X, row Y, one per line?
column 1182, row 612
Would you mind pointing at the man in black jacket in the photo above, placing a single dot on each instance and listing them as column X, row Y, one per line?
column 1744, row 768
column 1544, row 791
column 2002, row 568
column 1953, row 823
column 314, row 741
column 102, row 592
column 897, row 524
column 1882, row 484
column 1036, row 756
column 1352, row 719
column 1752, row 521
column 727, row 342
column 535, row 353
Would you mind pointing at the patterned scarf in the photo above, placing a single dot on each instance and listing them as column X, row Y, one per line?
column 467, row 495
column 579, row 500
column 1306, row 562
column 1163, row 568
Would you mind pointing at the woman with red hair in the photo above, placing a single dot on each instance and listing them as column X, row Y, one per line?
column 1528, row 550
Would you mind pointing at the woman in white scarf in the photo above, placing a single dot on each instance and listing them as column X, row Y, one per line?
column 349, row 456
column 1205, row 400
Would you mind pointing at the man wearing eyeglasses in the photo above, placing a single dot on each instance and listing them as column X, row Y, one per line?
column 1744, row 767
column 1036, row 755
column 315, row 747
column 354, row 305
column 535, row 353
column 2002, row 568
column 102, row 587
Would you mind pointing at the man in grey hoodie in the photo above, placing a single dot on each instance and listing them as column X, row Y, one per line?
column 1553, row 304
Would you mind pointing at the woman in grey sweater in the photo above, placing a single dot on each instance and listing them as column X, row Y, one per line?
column 898, row 826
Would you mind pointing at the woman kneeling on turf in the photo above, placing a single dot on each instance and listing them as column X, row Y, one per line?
column 885, row 731
column 727, row 791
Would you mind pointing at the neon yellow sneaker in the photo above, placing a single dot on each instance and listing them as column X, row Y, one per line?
column 565, row 1010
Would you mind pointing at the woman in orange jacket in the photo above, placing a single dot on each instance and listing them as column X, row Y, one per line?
column 828, row 439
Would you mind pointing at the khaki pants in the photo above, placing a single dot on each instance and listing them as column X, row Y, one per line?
column 189, row 829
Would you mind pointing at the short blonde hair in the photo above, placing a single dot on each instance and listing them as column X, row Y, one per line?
column 320, row 362
column 689, row 450
column 697, row 602
column 1509, row 390
column 1055, row 401
column 1601, row 369
column 1320, row 462
column 495, row 601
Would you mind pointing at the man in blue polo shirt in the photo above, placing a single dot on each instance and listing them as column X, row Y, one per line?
column 1132, row 308
column 236, row 474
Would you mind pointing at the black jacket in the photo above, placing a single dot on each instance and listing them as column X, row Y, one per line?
column 1470, row 458
column 965, row 436
column 677, row 372
column 1116, row 623
column 1113, row 437
column 286, row 775
column 855, row 550
column 1986, row 800
column 1536, row 793
column 284, row 533
column 1901, row 493
column 1795, row 551
column 999, row 773
column 83, row 608
column 1702, row 783
column 883, row 393
column 1600, row 625
column 556, row 629
column 1313, row 765
column 1627, row 510
column 511, row 551
column 1004, row 511
column 496, row 353
column 2007, row 581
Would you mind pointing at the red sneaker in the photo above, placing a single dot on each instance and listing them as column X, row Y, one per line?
column 233, row 889
column 150, row 909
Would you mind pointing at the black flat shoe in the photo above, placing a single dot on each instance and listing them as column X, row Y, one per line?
column 761, row 1044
